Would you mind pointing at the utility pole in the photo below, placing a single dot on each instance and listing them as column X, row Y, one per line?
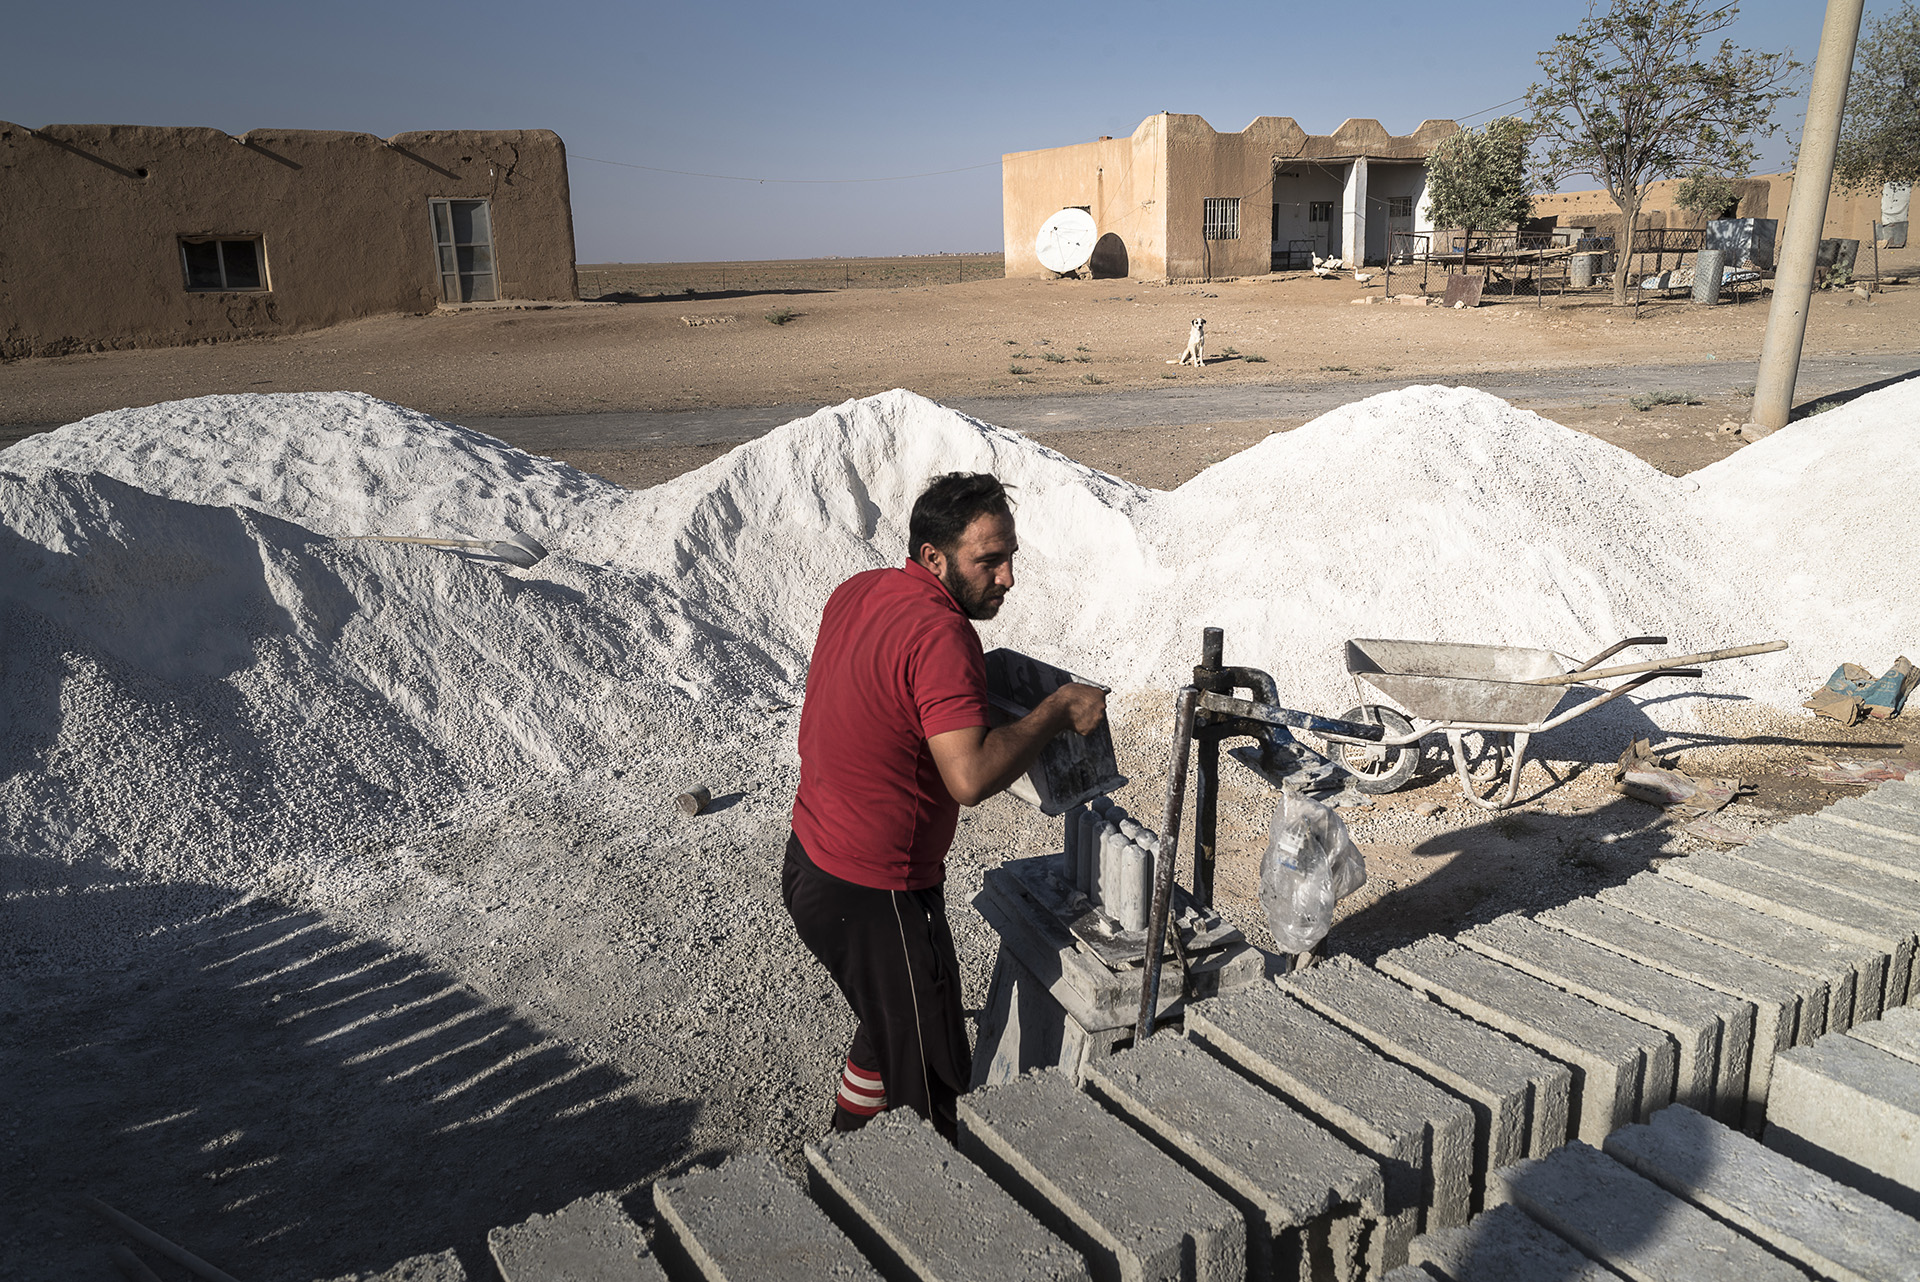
column 1806, row 217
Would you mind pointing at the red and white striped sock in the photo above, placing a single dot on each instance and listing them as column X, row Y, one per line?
column 861, row 1092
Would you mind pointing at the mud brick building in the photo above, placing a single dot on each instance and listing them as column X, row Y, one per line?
column 129, row 235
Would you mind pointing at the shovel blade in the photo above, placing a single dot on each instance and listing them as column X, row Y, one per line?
column 521, row 550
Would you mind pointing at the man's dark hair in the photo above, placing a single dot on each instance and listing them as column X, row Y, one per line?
column 949, row 504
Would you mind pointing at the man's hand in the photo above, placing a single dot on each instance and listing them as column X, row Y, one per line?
column 977, row 762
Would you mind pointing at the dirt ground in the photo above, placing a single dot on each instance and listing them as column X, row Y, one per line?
column 286, row 1158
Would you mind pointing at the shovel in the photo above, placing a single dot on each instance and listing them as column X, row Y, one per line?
column 521, row 550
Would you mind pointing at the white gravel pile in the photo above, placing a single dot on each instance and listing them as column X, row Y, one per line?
column 199, row 677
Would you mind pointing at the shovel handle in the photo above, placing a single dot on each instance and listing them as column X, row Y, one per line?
column 1627, row 669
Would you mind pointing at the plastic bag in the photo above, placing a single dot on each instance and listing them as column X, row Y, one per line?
column 1310, row 865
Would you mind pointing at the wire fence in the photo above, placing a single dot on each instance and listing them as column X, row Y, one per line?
column 631, row 282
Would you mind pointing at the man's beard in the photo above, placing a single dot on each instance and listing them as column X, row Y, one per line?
column 981, row 604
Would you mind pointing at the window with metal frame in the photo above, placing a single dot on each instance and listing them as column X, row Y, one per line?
column 463, row 250
column 223, row 264
column 1220, row 217
column 1399, row 206
column 1320, row 211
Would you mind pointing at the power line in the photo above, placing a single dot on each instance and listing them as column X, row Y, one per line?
column 1495, row 107
column 735, row 178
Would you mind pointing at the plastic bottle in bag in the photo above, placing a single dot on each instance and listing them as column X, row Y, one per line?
column 1310, row 865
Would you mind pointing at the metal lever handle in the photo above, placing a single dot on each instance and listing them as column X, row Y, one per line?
column 1228, row 705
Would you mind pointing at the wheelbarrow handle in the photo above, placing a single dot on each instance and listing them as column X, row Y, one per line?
column 1228, row 705
column 1617, row 647
column 1626, row 669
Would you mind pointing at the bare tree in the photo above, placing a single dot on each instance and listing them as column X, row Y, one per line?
column 1880, row 143
column 1629, row 99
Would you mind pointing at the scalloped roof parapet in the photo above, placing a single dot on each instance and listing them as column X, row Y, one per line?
column 1362, row 136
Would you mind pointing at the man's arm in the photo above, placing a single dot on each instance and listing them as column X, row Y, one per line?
column 977, row 762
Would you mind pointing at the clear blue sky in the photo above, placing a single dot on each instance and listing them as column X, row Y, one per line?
column 851, row 90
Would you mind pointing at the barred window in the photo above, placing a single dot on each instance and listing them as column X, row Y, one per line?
column 1399, row 206
column 1320, row 211
column 1222, row 217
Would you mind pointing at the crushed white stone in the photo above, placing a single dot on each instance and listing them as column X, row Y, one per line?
column 203, row 674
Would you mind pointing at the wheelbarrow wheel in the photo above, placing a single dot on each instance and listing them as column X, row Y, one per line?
column 1377, row 769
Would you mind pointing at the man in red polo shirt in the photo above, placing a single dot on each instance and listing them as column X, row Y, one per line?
column 894, row 739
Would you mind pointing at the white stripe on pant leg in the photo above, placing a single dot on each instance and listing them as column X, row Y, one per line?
column 906, row 958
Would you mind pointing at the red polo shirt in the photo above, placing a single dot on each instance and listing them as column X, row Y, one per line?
column 896, row 663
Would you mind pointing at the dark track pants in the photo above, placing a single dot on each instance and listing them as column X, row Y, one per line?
column 891, row 953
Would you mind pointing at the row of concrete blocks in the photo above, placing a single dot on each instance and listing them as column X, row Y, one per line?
column 1317, row 1129
column 1681, row 1198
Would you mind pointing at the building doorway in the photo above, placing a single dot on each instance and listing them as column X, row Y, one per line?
column 463, row 250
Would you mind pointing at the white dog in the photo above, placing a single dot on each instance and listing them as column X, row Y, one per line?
column 1196, row 352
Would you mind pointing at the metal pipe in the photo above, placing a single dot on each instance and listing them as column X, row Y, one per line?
column 1184, row 705
column 1206, row 786
column 1806, row 218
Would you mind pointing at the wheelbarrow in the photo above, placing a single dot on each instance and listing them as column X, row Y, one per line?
column 1492, row 690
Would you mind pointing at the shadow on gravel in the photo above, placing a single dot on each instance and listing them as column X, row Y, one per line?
column 285, row 1098
column 1834, row 399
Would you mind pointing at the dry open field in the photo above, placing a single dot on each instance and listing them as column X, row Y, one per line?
column 624, row 282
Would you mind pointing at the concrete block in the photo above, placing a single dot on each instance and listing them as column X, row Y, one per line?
column 1413, row 1273
column 1896, row 855
column 590, row 1240
column 1305, row 1194
column 1897, row 1032
column 1894, row 888
column 1834, row 1231
column 1775, row 994
column 1712, row 1031
column 1630, row 1224
column 1520, row 1099
column 1807, row 903
column 1129, row 1208
column 1854, row 975
column 1422, row 1136
column 921, row 1211
column 443, row 1266
column 1894, row 807
column 1503, row 1245
column 1850, row 1111
column 1609, row 1055
column 745, row 1221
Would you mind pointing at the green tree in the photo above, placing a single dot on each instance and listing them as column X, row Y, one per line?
column 1629, row 98
column 1477, row 178
column 1880, row 141
column 1706, row 193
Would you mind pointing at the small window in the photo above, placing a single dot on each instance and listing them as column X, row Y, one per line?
column 1399, row 206
column 463, row 250
column 1320, row 211
column 215, row 264
column 1221, row 217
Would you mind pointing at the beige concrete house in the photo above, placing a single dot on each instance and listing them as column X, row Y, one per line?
column 130, row 235
column 1180, row 200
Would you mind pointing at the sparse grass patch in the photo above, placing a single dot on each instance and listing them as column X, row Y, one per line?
column 1026, row 380
column 1054, row 358
column 1169, row 375
column 1253, row 359
column 1824, row 406
column 1648, row 400
column 1084, row 360
column 1082, row 348
column 781, row 316
column 1336, row 369
column 1091, row 377
column 1022, row 369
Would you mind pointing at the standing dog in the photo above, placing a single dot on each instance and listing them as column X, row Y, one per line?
column 1196, row 353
